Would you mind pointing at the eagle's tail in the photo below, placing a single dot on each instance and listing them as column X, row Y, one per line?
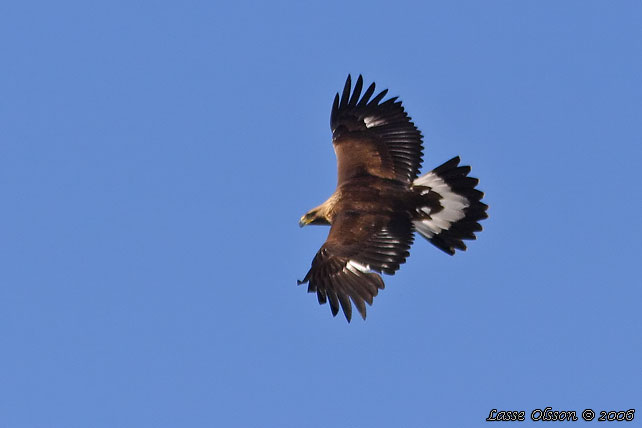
column 450, row 207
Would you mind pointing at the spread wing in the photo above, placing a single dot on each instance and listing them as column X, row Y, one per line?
column 358, row 246
column 374, row 137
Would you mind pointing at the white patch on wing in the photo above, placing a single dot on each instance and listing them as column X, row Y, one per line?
column 356, row 266
column 372, row 121
column 453, row 206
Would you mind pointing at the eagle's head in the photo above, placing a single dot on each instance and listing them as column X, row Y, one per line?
column 314, row 216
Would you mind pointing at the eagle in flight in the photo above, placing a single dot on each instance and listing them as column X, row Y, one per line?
column 380, row 201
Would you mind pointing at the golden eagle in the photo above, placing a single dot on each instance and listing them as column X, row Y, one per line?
column 380, row 202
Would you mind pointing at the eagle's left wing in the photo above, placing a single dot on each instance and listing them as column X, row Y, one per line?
column 373, row 137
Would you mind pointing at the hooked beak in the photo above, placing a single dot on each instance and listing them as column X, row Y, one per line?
column 303, row 222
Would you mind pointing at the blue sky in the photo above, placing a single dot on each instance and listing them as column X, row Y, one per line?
column 155, row 158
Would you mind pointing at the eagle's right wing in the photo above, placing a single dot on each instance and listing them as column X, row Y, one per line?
column 358, row 248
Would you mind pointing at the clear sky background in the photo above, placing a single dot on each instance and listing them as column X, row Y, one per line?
column 155, row 158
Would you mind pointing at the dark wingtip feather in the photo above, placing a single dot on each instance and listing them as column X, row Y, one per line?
column 378, row 98
column 305, row 279
column 344, row 300
column 345, row 96
column 367, row 95
column 356, row 93
column 361, row 307
column 335, row 109
column 334, row 301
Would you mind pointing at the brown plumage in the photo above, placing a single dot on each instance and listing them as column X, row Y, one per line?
column 379, row 202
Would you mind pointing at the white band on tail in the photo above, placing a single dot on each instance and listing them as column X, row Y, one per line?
column 452, row 203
